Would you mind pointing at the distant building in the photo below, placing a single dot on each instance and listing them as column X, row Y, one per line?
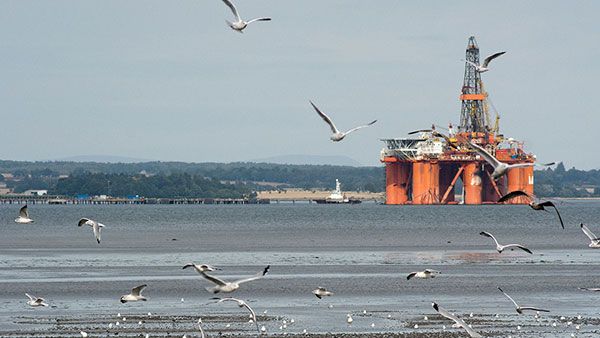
column 5, row 191
column 35, row 192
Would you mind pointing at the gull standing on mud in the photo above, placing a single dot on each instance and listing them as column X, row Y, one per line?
column 427, row 273
column 500, row 168
column 240, row 24
column 520, row 308
column 135, row 295
column 35, row 301
column 23, row 216
column 96, row 227
column 455, row 318
column 321, row 292
column 500, row 247
column 242, row 303
column 337, row 135
column 485, row 66
column 532, row 203
column 226, row 287
column 595, row 241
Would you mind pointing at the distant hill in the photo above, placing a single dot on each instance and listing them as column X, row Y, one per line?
column 310, row 160
column 102, row 159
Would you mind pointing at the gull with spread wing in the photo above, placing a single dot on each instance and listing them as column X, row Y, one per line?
column 456, row 319
column 96, row 227
column 500, row 247
column 500, row 168
column 23, row 216
column 35, row 301
column 595, row 241
column 239, row 25
column 226, row 287
column 135, row 295
column 337, row 135
column 486, row 62
column 242, row 303
column 520, row 308
column 532, row 203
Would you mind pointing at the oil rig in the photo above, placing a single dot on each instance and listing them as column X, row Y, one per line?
column 426, row 169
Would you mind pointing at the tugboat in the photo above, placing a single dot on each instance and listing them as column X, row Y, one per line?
column 337, row 197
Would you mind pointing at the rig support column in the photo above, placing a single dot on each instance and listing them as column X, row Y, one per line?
column 396, row 177
column 520, row 179
column 472, row 183
column 425, row 184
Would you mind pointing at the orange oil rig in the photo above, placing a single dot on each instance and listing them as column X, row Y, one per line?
column 426, row 169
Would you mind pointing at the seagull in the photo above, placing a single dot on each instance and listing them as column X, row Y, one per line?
column 595, row 241
column 500, row 168
column 532, row 204
column 457, row 320
column 200, row 268
column 35, row 301
column 135, row 295
column 485, row 67
column 321, row 292
column 590, row 289
column 240, row 24
column 97, row 227
column 83, row 334
column 427, row 273
column 501, row 248
column 222, row 286
column 23, row 216
column 241, row 303
column 200, row 328
column 337, row 135
column 519, row 308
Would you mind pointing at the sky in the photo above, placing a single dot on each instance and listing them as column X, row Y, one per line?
column 170, row 81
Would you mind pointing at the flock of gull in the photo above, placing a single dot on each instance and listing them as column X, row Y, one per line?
column 222, row 286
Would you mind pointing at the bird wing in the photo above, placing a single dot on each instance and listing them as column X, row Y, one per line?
column 509, row 297
column 411, row 275
column 257, row 276
column 487, row 60
column 420, row 131
column 325, row 118
column 233, row 9
column 97, row 230
column 213, row 279
column 550, row 204
column 487, row 234
column 588, row 233
column 360, row 127
column 518, row 246
column 472, row 63
column 486, row 156
column 590, row 289
column 512, row 195
column 83, row 221
column 30, row 297
column 533, row 309
column 520, row 165
column 23, row 212
column 137, row 291
column 258, row 19
column 457, row 320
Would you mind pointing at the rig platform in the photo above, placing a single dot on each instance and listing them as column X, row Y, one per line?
column 425, row 169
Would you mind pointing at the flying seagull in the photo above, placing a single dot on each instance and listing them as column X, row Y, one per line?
column 97, row 227
column 35, row 301
column 223, row 286
column 590, row 289
column 23, row 216
column 240, row 24
column 427, row 273
column 485, row 66
column 455, row 318
column 200, row 268
column 520, row 308
column 595, row 241
column 321, row 292
column 241, row 303
column 501, row 248
column 135, row 295
column 532, row 204
column 500, row 168
column 337, row 135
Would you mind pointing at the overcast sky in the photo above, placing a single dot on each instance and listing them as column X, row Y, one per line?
column 168, row 80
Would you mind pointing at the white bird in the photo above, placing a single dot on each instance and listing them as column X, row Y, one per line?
column 500, row 247
column 321, row 292
column 427, row 273
column 457, row 320
column 337, row 135
column 349, row 319
column 590, row 289
column 223, row 286
column 23, row 216
column 500, row 168
column 485, row 66
column 595, row 241
column 83, row 334
column 35, row 301
column 200, row 328
column 135, row 295
column 96, row 227
column 240, row 24
column 520, row 308
column 200, row 268
column 242, row 303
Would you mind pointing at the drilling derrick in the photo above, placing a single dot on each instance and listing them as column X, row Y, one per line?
column 425, row 169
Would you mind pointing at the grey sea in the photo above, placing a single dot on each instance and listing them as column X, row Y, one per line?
column 362, row 253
